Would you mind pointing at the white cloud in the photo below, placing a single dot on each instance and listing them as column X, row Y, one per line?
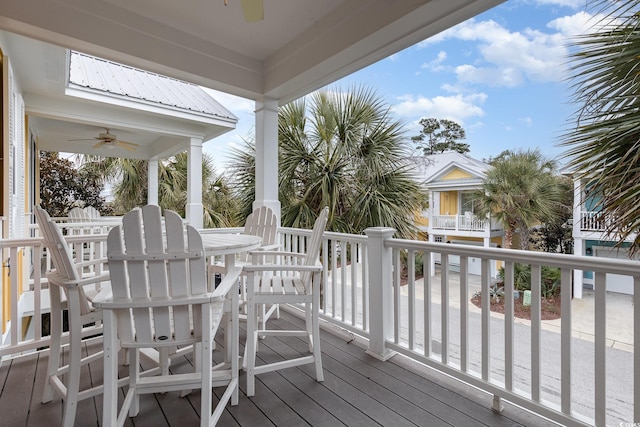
column 510, row 58
column 577, row 24
column 451, row 88
column 457, row 107
column 436, row 64
column 509, row 76
column 573, row 4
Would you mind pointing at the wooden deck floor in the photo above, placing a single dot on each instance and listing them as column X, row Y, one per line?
column 358, row 391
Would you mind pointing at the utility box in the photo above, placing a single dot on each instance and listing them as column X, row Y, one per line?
column 526, row 299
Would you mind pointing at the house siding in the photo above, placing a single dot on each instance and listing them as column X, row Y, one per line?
column 448, row 203
column 456, row 174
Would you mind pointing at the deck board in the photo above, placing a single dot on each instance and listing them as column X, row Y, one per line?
column 358, row 390
column 20, row 380
column 43, row 414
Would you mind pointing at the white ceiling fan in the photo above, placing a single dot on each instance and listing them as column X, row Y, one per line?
column 109, row 140
column 253, row 10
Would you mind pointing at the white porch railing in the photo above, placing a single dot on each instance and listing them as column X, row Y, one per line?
column 459, row 223
column 556, row 375
column 592, row 221
column 29, row 298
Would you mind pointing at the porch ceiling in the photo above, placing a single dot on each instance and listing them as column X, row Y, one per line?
column 300, row 45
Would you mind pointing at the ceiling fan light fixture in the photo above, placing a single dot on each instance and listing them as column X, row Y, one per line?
column 109, row 140
column 253, row 10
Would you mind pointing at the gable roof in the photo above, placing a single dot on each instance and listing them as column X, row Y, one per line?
column 437, row 166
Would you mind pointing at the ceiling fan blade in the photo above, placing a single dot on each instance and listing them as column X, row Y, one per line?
column 253, row 10
column 130, row 144
column 98, row 145
column 83, row 139
column 128, row 147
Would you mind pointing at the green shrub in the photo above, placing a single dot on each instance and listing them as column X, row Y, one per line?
column 522, row 279
column 521, row 276
column 419, row 262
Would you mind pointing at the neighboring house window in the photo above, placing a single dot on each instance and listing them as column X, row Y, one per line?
column 592, row 200
column 466, row 202
column 437, row 239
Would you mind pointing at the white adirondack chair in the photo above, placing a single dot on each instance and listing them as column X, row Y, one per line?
column 161, row 300
column 66, row 290
column 262, row 222
column 294, row 279
column 78, row 215
column 92, row 213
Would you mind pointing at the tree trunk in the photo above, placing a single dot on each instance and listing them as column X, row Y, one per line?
column 508, row 238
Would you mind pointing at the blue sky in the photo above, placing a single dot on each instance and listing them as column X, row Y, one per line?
column 501, row 75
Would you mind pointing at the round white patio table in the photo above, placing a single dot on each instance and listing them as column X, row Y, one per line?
column 228, row 245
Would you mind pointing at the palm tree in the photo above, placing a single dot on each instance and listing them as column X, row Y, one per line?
column 220, row 207
column 129, row 180
column 605, row 143
column 521, row 190
column 342, row 150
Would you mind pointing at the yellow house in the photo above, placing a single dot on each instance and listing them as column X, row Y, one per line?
column 452, row 179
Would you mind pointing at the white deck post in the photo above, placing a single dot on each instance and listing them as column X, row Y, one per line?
column 432, row 259
column 380, row 292
column 194, row 209
column 578, row 275
column 267, row 155
column 432, row 213
column 152, row 182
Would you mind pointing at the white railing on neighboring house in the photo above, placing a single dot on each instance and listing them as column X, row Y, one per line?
column 592, row 221
column 367, row 291
column 459, row 223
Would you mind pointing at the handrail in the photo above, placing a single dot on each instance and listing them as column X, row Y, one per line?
column 370, row 288
column 28, row 260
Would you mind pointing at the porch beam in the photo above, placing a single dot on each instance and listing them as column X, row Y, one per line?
column 152, row 182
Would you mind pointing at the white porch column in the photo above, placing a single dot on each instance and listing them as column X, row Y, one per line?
column 267, row 155
column 194, row 210
column 380, row 292
column 152, row 182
